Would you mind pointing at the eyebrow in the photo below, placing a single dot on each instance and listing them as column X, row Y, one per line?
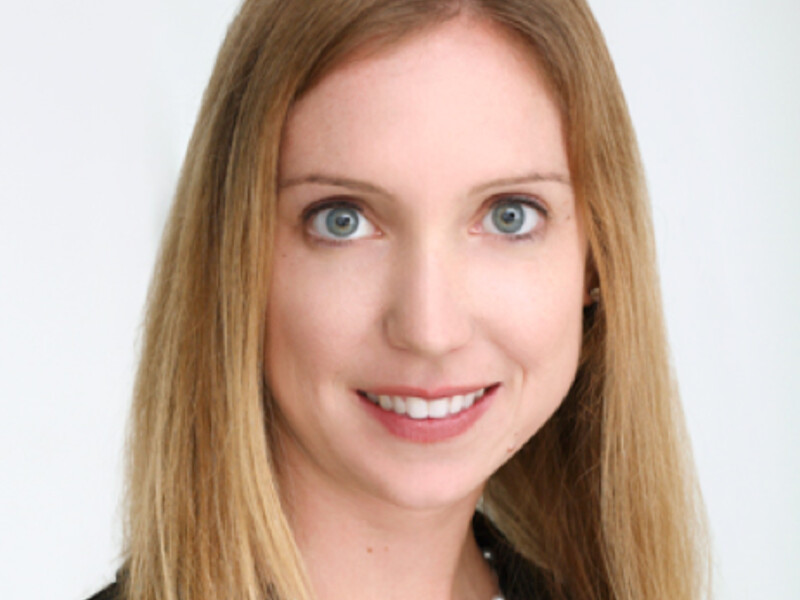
column 529, row 178
column 345, row 182
column 365, row 186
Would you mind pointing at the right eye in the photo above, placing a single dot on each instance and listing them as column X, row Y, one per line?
column 340, row 222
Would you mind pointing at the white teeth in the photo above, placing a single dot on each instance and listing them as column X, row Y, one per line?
column 417, row 408
column 439, row 409
column 469, row 399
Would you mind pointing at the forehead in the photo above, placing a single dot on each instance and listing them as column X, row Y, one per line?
column 462, row 95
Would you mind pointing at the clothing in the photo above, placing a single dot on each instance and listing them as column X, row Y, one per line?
column 517, row 578
column 108, row 593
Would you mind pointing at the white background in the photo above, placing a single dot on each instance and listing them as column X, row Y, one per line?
column 97, row 100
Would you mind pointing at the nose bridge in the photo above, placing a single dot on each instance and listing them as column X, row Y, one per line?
column 427, row 313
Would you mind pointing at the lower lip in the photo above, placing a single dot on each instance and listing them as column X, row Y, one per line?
column 430, row 431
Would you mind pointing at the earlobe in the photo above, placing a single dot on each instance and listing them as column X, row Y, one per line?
column 591, row 297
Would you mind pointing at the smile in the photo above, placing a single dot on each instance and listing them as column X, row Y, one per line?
column 418, row 408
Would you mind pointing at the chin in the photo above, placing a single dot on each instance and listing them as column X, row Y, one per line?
column 430, row 485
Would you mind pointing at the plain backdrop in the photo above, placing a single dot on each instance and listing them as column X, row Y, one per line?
column 98, row 100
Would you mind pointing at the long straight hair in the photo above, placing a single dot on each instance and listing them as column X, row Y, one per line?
column 602, row 500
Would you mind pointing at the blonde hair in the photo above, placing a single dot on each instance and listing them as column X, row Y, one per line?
column 602, row 500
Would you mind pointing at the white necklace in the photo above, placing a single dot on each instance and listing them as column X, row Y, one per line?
column 489, row 557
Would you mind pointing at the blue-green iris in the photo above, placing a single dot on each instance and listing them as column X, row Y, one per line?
column 342, row 221
column 508, row 217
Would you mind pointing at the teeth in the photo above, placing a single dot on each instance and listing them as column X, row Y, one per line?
column 469, row 399
column 417, row 408
column 439, row 409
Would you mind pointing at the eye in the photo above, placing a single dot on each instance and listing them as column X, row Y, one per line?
column 512, row 216
column 340, row 222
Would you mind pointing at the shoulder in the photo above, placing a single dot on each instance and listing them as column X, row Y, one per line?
column 111, row 592
column 517, row 577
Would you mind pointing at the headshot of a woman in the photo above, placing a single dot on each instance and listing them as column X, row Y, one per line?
column 404, row 338
column 399, row 300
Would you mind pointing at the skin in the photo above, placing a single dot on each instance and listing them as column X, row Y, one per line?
column 428, row 294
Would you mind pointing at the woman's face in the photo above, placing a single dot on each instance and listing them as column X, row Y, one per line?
column 428, row 251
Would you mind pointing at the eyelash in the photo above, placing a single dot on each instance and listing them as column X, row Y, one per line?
column 314, row 208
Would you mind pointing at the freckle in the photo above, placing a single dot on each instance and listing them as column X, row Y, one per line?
column 369, row 550
column 510, row 449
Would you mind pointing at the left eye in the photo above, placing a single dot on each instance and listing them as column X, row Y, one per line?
column 340, row 223
column 511, row 217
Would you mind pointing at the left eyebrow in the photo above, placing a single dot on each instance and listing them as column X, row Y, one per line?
column 529, row 178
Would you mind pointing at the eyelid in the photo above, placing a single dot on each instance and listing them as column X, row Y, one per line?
column 329, row 202
column 523, row 198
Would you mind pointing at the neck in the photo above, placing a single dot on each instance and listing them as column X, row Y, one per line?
column 357, row 546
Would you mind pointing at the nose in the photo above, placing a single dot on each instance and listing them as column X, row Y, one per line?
column 427, row 312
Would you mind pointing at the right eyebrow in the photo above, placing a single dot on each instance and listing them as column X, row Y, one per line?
column 345, row 182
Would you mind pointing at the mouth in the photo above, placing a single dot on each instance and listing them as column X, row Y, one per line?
column 420, row 408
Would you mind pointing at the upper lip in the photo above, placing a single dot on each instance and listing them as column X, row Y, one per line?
column 425, row 393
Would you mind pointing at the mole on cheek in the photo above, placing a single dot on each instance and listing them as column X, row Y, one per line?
column 514, row 445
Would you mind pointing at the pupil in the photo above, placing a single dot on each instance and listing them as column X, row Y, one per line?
column 508, row 218
column 342, row 221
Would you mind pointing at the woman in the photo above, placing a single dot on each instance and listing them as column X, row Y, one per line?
column 409, row 271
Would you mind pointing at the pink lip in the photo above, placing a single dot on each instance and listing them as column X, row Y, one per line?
column 429, row 431
column 433, row 394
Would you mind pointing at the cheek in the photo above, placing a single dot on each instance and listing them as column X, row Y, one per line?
column 533, row 302
column 319, row 312
column 536, row 318
column 304, row 325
